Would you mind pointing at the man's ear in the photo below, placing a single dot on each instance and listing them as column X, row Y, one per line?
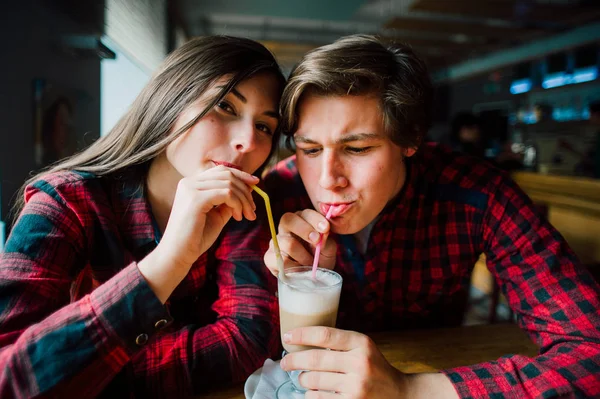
column 409, row 152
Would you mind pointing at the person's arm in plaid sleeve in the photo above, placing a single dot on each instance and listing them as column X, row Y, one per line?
column 244, row 335
column 556, row 301
column 48, row 345
column 88, row 342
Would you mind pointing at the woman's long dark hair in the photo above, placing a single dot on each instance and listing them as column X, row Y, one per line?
column 144, row 131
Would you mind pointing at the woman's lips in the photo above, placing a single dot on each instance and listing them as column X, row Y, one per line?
column 229, row 165
column 338, row 208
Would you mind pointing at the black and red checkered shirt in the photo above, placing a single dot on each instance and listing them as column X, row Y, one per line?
column 418, row 265
column 77, row 319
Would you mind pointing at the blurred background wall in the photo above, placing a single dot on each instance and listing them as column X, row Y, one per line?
column 30, row 34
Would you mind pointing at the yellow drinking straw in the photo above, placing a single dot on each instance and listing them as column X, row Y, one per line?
column 278, row 257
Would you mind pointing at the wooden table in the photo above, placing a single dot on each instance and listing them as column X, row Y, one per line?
column 433, row 350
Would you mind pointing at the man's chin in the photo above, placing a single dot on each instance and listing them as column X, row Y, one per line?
column 346, row 228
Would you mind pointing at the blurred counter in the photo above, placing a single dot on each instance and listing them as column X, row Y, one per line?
column 573, row 207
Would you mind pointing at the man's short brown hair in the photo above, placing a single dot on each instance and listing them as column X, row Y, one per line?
column 364, row 65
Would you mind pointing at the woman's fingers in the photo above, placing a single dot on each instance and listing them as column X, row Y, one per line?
column 213, row 193
column 234, row 182
column 225, row 171
column 242, row 179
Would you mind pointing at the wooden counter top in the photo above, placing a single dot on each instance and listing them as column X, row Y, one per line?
column 572, row 206
column 578, row 193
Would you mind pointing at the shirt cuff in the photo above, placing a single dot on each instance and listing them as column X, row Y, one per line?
column 477, row 381
column 128, row 308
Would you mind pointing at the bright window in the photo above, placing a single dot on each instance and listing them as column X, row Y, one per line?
column 121, row 80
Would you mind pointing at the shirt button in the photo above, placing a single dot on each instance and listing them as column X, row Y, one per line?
column 141, row 339
column 161, row 324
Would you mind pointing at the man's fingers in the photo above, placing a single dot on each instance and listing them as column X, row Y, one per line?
column 298, row 234
column 324, row 381
column 321, row 395
column 271, row 260
column 316, row 360
column 301, row 224
column 315, row 219
column 295, row 250
column 326, row 337
column 329, row 249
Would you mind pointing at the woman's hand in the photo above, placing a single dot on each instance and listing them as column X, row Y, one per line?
column 203, row 204
column 298, row 236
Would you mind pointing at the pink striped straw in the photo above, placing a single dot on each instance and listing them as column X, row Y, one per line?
column 318, row 248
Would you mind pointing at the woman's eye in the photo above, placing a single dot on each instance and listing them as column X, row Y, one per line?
column 265, row 129
column 226, row 107
column 358, row 150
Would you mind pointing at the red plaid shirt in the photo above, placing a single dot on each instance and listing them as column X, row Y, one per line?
column 417, row 269
column 77, row 319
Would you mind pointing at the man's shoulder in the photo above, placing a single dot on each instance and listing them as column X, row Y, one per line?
column 283, row 179
column 285, row 188
column 453, row 167
column 458, row 176
column 284, row 170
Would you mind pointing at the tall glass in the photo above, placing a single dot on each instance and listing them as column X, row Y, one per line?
column 304, row 302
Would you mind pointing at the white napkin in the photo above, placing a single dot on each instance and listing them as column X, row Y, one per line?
column 265, row 381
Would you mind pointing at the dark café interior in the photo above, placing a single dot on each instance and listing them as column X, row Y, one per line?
column 516, row 84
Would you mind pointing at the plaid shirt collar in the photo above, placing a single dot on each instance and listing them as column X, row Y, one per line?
column 406, row 194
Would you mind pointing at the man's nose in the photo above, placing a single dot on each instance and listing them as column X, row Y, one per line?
column 332, row 172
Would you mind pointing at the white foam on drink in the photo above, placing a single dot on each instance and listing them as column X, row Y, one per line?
column 307, row 296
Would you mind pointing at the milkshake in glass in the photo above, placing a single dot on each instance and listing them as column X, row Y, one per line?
column 304, row 302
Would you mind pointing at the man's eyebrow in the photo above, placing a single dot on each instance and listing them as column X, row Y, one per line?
column 343, row 140
column 303, row 139
column 359, row 137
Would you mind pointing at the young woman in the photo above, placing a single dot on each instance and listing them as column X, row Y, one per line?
column 108, row 284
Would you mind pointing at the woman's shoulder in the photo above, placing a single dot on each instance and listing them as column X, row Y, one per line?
column 65, row 186
column 64, row 177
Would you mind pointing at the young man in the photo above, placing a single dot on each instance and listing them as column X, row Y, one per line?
column 409, row 223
